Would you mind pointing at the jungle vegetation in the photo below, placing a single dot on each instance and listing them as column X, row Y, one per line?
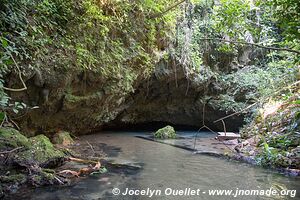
column 122, row 41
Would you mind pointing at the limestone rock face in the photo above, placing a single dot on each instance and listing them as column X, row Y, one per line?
column 84, row 102
column 72, row 100
column 171, row 97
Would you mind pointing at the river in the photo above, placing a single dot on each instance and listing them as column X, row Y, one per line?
column 161, row 167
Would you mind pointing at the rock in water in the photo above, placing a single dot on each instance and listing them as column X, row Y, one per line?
column 167, row 132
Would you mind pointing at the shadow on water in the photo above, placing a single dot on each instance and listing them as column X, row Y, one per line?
column 109, row 150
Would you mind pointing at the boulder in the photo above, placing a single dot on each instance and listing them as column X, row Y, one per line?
column 11, row 138
column 167, row 132
column 41, row 153
column 63, row 138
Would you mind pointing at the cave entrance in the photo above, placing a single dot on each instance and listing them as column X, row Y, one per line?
column 147, row 126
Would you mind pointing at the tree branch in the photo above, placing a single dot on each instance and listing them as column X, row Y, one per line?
column 167, row 9
column 15, row 149
column 235, row 113
column 20, row 76
column 250, row 106
column 254, row 44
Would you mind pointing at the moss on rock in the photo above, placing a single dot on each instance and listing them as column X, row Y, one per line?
column 63, row 138
column 167, row 132
column 16, row 178
column 43, row 178
column 11, row 138
column 41, row 152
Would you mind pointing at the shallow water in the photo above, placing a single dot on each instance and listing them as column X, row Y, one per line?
column 164, row 166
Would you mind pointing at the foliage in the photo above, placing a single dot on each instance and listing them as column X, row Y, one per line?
column 254, row 83
column 232, row 15
column 106, row 36
column 265, row 74
column 286, row 15
column 116, row 39
column 217, row 62
column 266, row 22
column 278, row 131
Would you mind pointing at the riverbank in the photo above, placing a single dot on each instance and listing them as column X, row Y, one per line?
column 35, row 161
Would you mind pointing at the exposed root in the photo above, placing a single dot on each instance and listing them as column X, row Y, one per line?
column 69, row 172
column 82, row 161
column 83, row 171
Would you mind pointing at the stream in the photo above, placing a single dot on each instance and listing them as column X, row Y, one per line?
column 160, row 166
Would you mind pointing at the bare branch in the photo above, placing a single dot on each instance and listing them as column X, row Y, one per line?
column 168, row 9
column 14, row 123
column 13, row 150
column 236, row 113
column 254, row 44
column 250, row 106
column 91, row 147
column 20, row 76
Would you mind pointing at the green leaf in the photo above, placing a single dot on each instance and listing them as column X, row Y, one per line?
column 2, row 116
column 102, row 170
column 15, row 110
column 4, row 42
column 296, row 102
column 9, row 62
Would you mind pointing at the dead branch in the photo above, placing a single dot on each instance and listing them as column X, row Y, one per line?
column 58, row 180
column 11, row 151
column 21, row 79
column 84, row 171
column 91, row 147
column 254, row 44
column 235, row 113
column 70, row 172
column 82, row 161
column 14, row 123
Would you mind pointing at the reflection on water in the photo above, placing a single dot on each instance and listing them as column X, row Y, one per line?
column 163, row 167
